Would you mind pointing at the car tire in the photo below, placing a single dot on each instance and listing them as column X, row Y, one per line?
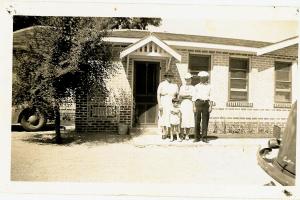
column 33, row 120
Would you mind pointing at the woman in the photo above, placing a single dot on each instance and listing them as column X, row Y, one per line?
column 185, row 94
column 166, row 91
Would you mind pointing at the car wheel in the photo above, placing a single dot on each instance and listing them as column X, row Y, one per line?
column 33, row 120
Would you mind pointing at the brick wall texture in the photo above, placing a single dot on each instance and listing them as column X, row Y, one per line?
column 256, row 119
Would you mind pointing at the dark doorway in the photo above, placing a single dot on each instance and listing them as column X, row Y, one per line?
column 146, row 83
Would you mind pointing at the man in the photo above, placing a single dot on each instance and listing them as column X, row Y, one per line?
column 202, row 106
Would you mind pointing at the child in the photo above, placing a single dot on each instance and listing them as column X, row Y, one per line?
column 175, row 117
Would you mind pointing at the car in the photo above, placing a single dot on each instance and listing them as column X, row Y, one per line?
column 34, row 119
column 279, row 158
column 30, row 118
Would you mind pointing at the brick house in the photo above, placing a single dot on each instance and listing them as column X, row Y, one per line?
column 253, row 82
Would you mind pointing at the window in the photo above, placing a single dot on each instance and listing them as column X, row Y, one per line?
column 238, row 79
column 197, row 63
column 283, row 82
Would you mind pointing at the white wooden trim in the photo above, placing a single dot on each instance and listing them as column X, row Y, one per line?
column 166, row 48
column 152, row 54
column 147, row 40
column 238, row 90
column 121, row 40
column 132, row 97
column 254, row 50
column 276, row 46
column 283, row 90
column 127, row 66
column 239, row 56
column 211, row 46
column 168, row 64
column 189, row 44
column 134, row 47
column 295, row 80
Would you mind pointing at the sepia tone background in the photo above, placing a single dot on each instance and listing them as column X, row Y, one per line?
column 249, row 193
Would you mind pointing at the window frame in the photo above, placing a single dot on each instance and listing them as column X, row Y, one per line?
column 247, row 79
column 290, row 81
column 210, row 56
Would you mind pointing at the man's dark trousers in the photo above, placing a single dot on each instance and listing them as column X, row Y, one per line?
column 201, row 113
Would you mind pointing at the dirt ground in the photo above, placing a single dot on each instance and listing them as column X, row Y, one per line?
column 141, row 159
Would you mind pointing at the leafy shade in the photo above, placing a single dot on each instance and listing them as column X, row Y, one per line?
column 142, row 23
column 133, row 23
column 57, row 60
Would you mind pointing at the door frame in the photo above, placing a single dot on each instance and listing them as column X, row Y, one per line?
column 134, row 60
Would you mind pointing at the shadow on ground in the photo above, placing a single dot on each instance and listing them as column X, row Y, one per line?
column 209, row 138
column 47, row 127
column 73, row 138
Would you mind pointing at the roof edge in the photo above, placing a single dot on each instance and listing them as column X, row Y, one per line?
column 279, row 45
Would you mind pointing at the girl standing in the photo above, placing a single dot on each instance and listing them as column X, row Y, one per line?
column 175, row 116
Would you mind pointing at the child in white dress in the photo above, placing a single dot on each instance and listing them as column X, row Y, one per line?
column 175, row 116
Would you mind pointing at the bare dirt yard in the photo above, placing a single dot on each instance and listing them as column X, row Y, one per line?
column 140, row 159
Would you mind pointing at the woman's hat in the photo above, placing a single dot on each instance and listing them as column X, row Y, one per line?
column 187, row 76
column 203, row 74
column 168, row 74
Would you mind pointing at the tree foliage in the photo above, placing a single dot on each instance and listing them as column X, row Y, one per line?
column 133, row 23
column 112, row 23
column 58, row 59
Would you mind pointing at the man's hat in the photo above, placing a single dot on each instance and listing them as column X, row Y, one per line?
column 168, row 74
column 203, row 74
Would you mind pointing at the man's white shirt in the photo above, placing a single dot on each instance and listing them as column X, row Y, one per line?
column 202, row 92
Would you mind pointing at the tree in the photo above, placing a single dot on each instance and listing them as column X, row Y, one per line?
column 20, row 22
column 59, row 60
column 112, row 23
column 133, row 23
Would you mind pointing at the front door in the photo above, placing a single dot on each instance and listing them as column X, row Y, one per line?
column 146, row 83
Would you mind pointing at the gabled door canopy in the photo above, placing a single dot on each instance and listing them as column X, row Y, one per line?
column 151, row 38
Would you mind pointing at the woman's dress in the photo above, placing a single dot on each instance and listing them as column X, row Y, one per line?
column 167, row 92
column 186, row 107
column 175, row 116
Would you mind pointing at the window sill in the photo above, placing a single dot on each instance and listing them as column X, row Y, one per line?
column 239, row 104
column 282, row 105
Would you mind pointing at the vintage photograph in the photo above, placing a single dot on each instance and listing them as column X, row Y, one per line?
column 154, row 100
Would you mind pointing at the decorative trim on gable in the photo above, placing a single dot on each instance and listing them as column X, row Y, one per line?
column 145, row 41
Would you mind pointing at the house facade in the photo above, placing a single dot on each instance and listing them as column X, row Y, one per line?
column 253, row 82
